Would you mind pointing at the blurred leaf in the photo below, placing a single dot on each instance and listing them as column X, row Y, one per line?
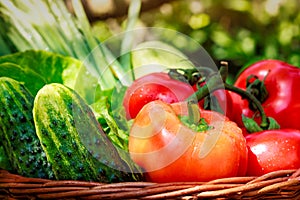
column 199, row 21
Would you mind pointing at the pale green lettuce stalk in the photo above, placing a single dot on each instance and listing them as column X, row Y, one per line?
column 133, row 15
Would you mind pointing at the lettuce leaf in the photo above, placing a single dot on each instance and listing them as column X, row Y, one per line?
column 31, row 79
column 38, row 67
column 116, row 127
column 48, row 65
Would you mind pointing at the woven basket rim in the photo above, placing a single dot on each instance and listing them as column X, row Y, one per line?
column 274, row 185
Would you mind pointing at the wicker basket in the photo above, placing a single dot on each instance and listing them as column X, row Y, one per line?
column 284, row 184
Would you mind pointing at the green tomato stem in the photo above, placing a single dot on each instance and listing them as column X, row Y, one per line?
column 214, row 83
column 217, row 81
column 193, row 113
column 264, row 120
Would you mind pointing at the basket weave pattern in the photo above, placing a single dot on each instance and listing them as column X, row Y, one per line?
column 283, row 184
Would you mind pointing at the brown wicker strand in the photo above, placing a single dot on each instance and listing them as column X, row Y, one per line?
column 55, row 183
column 282, row 184
column 193, row 190
column 84, row 193
column 20, row 185
column 45, row 190
column 243, row 188
column 232, row 180
column 275, row 174
column 276, row 186
column 295, row 174
column 125, row 184
column 138, row 193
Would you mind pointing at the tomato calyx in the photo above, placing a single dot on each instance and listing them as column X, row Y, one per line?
column 193, row 76
column 252, row 126
column 194, row 120
column 257, row 88
column 190, row 76
column 215, row 83
column 197, row 77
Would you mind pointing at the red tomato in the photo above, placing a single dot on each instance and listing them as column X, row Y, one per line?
column 273, row 150
column 170, row 151
column 283, row 101
column 154, row 86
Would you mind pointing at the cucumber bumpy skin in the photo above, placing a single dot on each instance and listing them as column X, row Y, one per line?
column 63, row 120
column 17, row 131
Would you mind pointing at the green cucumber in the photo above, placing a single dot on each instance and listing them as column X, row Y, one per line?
column 72, row 138
column 17, row 131
column 4, row 161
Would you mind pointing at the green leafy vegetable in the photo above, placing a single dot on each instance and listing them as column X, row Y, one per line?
column 31, row 79
column 101, row 109
column 37, row 68
column 4, row 161
column 47, row 25
column 113, row 122
column 55, row 46
column 48, row 65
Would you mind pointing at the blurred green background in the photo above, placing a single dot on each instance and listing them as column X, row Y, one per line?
column 239, row 31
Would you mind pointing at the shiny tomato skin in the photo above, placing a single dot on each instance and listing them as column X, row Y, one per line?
column 273, row 150
column 283, row 102
column 146, row 93
column 168, row 151
column 154, row 86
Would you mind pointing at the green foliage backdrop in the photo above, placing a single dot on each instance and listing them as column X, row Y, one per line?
column 239, row 31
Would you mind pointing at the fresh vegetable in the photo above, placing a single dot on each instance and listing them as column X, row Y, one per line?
column 17, row 131
column 74, row 142
column 57, row 30
column 273, row 150
column 110, row 114
column 275, row 84
column 215, row 83
column 169, row 150
column 216, row 100
column 48, row 67
column 183, row 143
column 154, row 86
column 32, row 80
column 4, row 160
